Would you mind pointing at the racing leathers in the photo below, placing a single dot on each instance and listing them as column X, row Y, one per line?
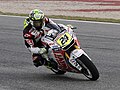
column 32, row 38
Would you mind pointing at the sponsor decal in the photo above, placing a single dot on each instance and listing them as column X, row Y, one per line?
column 75, row 64
column 30, row 42
column 61, row 61
column 27, row 35
column 36, row 33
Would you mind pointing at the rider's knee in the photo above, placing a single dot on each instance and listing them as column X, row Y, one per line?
column 37, row 60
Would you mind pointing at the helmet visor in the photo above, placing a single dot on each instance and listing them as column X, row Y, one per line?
column 38, row 24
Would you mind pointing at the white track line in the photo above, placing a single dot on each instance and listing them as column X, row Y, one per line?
column 68, row 20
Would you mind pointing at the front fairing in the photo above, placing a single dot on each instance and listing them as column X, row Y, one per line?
column 58, row 48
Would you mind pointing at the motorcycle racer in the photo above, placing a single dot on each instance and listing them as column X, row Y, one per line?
column 34, row 29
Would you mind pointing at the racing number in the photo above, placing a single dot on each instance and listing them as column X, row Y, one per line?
column 64, row 39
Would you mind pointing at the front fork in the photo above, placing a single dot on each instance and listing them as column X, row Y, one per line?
column 75, row 54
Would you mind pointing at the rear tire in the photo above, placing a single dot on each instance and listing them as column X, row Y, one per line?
column 58, row 72
column 88, row 68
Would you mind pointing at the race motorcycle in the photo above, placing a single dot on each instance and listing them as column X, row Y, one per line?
column 66, row 55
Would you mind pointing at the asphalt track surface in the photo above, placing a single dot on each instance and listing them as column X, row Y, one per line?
column 100, row 41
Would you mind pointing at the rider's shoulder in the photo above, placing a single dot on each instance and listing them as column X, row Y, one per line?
column 46, row 20
column 26, row 23
column 26, row 20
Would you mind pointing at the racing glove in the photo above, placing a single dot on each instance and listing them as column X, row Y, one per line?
column 37, row 50
column 42, row 51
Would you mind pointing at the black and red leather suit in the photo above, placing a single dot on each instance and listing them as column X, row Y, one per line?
column 32, row 38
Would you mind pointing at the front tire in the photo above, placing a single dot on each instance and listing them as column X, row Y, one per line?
column 88, row 68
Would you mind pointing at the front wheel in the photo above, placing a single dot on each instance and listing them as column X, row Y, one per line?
column 88, row 68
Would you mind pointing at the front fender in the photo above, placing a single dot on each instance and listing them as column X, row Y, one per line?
column 77, row 53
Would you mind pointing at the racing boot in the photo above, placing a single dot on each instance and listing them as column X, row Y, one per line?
column 51, row 64
column 38, row 60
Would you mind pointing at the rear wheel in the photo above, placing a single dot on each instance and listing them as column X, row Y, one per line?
column 54, row 68
column 88, row 68
column 59, row 72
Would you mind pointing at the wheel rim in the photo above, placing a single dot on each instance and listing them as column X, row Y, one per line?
column 87, row 73
column 85, row 70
